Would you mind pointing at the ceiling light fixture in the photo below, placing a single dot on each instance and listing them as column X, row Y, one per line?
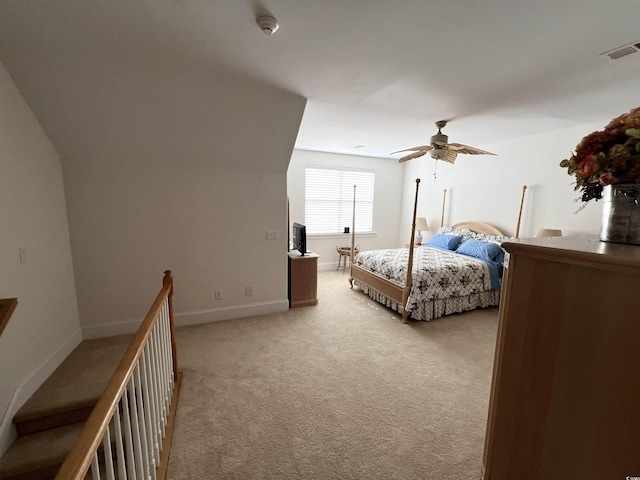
column 268, row 24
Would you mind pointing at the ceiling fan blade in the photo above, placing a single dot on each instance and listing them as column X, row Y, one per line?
column 449, row 156
column 466, row 149
column 413, row 149
column 412, row 156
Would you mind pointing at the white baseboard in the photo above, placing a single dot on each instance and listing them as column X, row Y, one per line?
column 229, row 313
column 111, row 329
column 328, row 266
column 24, row 391
column 190, row 318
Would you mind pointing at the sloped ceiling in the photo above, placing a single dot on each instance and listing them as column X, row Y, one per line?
column 377, row 74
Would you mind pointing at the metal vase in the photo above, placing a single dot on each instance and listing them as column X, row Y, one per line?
column 621, row 214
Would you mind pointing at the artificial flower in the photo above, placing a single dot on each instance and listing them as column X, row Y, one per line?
column 607, row 157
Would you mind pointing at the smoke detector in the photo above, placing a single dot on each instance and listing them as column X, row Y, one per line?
column 268, row 24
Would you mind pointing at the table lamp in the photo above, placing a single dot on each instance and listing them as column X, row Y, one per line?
column 421, row 226
column 549, row 232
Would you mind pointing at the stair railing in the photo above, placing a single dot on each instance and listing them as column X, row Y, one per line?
column 128, row 434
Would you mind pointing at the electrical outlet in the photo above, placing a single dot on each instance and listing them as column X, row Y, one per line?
column 218, row 294
column 248, row 290
column 271, row 235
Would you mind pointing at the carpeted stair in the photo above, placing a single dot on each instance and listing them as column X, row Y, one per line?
column 51, row 420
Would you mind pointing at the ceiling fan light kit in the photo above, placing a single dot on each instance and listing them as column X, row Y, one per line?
column 437, row 153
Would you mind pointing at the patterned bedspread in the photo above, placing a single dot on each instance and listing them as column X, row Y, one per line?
column 437, row 274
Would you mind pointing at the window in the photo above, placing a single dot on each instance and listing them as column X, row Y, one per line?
column 329, row 199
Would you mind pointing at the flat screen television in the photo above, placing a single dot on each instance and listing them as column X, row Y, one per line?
column 299, row 238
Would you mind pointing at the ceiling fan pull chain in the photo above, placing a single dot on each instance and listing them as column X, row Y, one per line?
column 435, row 171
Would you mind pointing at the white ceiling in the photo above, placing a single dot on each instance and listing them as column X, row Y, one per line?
column 376, row 73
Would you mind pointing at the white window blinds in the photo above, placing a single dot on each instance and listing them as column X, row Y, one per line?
column 329, row 199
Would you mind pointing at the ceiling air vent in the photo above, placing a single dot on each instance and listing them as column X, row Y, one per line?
column 623, row 51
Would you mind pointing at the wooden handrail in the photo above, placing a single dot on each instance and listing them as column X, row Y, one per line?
column 79, row 459
column 7, row 306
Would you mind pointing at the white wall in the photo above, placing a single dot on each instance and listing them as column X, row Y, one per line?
column 45, row 325
column 489, row 188
column 190, row 184
column 387, row 201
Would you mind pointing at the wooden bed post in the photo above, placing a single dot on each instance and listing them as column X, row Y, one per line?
column 444, row 197
column 524, row 188
column 353, row 236
column 409, row 280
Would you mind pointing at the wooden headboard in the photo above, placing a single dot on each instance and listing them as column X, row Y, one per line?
column 479, row 227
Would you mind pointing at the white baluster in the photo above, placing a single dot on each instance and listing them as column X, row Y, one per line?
column 147, row 462
column 163, row 373
column 108, row 455
column 171, row 378
column 153, row 362
column 159, row 380
column 95, row 468
column 135, row 429
column 128, row 437
column 166, row 342
column 163, row 364
column 167, row 329
column 117, row 429
column 149, row 407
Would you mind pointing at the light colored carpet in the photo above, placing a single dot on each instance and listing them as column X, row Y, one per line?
column 80, row 380
column 341, row 390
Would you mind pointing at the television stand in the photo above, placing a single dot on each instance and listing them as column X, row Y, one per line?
column 303, row 279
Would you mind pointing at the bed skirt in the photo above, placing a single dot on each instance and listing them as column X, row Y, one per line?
column 440, row 307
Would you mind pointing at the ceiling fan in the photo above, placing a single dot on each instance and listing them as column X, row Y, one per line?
column 440, row 149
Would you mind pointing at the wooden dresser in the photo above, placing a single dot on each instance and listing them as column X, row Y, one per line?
column 565, row 395
column 303, row 279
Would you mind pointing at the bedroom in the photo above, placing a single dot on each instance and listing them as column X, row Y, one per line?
column 479, row 188
column 120, row 149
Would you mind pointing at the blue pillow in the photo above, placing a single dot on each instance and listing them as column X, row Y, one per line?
column 488, row 251
column 448, row 242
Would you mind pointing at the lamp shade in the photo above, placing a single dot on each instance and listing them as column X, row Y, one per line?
column 421, row 224
column 549, row 232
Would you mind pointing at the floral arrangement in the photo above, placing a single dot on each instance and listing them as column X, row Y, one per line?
column 606, row 157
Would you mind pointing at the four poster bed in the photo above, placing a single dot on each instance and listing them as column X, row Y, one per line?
column 459, row 270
